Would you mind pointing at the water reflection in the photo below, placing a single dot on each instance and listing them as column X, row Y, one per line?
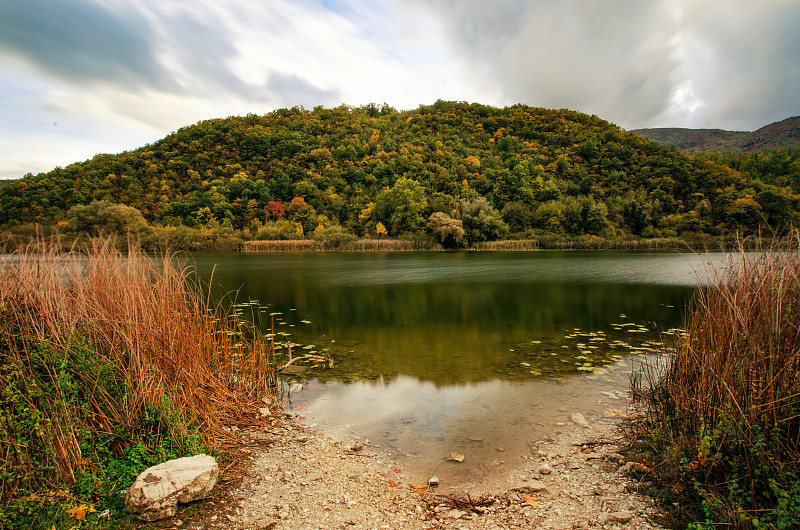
column 454, row 317
column 477, row 353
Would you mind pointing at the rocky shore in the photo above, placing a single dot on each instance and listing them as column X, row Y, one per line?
column 294, row 477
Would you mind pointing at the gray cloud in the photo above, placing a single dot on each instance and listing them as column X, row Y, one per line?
column 288, row 90
column 754, row 52
column 636, row 63
column 82, row 41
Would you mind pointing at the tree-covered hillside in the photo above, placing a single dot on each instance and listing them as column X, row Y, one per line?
column 455, row 171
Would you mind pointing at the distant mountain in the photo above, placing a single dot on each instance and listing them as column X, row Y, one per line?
column 780, row 135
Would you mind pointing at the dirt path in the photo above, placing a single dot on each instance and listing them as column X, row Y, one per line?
column 296, row 478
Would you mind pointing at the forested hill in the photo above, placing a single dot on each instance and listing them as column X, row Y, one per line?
column 784, row 134
column 374, row 171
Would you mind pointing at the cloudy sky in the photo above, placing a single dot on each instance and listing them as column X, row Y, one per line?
column 80, row 77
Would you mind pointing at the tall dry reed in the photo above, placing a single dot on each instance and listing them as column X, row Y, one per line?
column 147, row 317
column 729, row 402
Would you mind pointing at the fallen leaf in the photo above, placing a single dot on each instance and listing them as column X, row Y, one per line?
column 530, row 500
column 396, row 470
column 299, row 406
column 393, row 484
column 78, row 512
column 456, row 457
column 422, row 489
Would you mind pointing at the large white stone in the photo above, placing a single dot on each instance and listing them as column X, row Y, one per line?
column 157, row 490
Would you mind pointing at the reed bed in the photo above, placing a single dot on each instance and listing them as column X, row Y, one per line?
column 723, row 420
column 360, row 245
column 99, row 348
column 585, row 242
column 281, row 245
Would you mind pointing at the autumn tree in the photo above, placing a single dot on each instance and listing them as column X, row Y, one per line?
column 302, row 213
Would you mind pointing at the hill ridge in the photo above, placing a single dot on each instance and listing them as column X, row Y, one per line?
column 784, row 134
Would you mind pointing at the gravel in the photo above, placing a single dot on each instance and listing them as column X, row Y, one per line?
column 294, row 477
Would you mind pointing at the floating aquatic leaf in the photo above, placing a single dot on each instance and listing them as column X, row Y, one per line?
column 534, row 372
column 536, row 342
column 305, row 321
column 275, row 313
column 456, row 457
column 525, row 364
column 422, row 489
column 586, row 368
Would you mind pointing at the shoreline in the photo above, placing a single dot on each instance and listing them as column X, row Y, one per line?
column 296, row 477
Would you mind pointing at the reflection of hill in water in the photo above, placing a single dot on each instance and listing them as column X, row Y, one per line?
column 453, row 318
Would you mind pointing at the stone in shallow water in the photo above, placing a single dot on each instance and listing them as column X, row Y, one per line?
column 157, row 490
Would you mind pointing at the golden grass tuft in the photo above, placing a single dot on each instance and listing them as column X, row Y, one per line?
column 152, row 320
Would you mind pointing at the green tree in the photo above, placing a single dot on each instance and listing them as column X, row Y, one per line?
column 448, row 232
column 401, row 206
column 481, row 222
column 106, row 217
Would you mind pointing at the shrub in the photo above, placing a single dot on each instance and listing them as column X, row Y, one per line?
column 334, row 237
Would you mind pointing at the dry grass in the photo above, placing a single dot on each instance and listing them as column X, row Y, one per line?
column 360, row 245
column 729, row 403
column 281, row 245
column 147, row 317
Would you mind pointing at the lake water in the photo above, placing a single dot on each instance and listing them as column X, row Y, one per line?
column 474, row 353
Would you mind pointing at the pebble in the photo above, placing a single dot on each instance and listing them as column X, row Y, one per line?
column 578, row 419
column 545, row 469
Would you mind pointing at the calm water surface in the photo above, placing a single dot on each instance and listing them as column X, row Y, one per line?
column 475, row 353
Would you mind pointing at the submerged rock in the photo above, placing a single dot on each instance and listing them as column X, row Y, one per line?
column 578, row 419
column 157, row 490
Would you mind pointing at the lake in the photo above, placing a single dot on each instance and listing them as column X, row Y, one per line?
column 478, row 353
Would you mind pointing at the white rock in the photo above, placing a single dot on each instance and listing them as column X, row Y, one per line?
column 545, row 469
column 157, row 490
